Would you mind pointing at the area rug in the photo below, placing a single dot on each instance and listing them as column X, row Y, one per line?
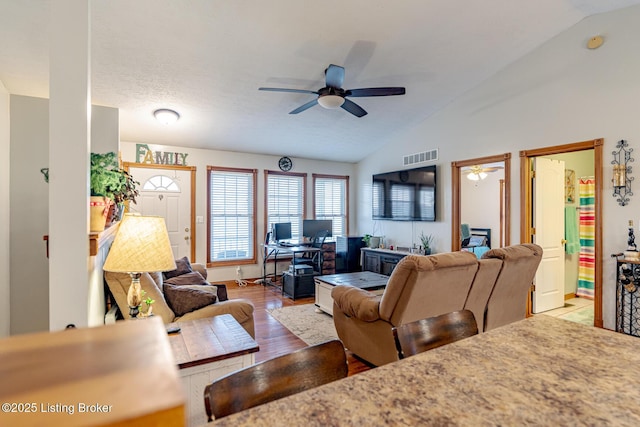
column 582, row 315
column 305, row 323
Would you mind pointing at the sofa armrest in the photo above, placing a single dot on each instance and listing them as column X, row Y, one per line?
column 356, row 302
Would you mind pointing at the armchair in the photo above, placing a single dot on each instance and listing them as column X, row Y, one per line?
column 156, row 287
column 419, row 287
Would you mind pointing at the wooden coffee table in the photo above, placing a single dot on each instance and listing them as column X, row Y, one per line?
column 373, row 282
column 207, row 349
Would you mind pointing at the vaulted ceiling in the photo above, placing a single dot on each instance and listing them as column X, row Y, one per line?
column 207, row 58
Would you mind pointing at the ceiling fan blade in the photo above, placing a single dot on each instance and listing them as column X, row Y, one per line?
column 304, row 107
column 334, row 76
column 353, row 108
column 278, row 89
column 376, row 91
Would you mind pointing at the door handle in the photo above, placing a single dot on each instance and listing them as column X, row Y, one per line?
column 186, row 237
column 563, row 241
column 186, row 229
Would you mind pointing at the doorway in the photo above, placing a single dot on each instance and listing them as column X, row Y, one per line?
column 169, row 191
column 527, row 203
column 505, row 198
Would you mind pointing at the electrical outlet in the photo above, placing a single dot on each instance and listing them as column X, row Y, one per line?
column 238, row 271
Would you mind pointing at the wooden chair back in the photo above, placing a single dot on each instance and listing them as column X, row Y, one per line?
column 426, row 334
column 276, row 378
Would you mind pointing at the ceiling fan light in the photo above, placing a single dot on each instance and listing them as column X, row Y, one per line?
column 473, row 177
column 331, row 101
column 166, row 116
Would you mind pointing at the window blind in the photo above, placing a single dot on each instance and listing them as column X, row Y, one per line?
column 232, row 215
column 331, row 202
column 285, row 202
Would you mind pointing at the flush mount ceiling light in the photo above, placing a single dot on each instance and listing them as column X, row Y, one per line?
column 595, row 42
column 166, row 116
column 331, row 101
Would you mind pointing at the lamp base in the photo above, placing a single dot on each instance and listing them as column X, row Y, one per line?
column 133, row 312
column 134, row 296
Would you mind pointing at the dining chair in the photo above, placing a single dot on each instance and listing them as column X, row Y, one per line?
column 276, row 378
column 426, row 334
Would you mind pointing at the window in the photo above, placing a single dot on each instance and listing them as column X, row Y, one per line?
column 285, row 200
column 232, row 216
column 161, row 183
column 331, row 201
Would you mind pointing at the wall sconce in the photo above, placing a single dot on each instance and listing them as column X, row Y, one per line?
column 621, row 172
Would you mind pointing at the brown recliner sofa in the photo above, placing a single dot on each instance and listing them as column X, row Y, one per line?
column 494, row 288
column 419, row 287
column 152, row 284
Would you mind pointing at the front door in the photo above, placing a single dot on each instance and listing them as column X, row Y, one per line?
column 548, row 221
column 167, row 193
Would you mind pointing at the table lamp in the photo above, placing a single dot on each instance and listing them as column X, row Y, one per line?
column 141, row 245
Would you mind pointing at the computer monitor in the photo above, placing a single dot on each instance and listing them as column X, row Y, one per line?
column 281, row 231
column 311, row 227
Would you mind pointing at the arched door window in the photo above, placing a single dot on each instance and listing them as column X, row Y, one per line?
column 161, row 183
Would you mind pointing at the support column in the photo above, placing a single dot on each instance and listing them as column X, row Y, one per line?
column 69, row 148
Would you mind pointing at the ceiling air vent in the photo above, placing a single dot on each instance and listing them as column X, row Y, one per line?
column 425, row 156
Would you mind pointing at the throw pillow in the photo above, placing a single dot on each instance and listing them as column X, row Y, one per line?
column 193, row 278
column 204, row 288
column 183, row 299
column 183, row 266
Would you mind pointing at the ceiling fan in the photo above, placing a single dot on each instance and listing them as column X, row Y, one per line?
column 477, row 172
column 334, row 96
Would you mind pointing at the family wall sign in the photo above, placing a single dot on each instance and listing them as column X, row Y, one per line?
column 145, row 155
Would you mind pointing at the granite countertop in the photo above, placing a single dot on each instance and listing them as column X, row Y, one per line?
column 539, row 371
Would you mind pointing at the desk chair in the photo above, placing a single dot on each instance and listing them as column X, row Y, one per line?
column 314, row 259
column 276, row 378
column 426, row 334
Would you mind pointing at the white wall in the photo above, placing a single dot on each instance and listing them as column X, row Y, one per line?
column 29, row 214
column 4, row 212
column 561, row 93
column 203, row 158
column 29, row 208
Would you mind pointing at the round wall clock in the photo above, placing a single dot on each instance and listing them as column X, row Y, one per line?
column 285, row 163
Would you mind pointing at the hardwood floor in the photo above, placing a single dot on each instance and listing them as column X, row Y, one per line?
column 272, row 337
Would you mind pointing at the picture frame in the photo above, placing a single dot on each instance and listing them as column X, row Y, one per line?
column 569, row 186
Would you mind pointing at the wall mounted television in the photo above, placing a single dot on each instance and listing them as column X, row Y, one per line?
column 406, row 195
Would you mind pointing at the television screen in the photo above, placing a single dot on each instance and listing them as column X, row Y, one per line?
column 281, row 231
column 406, row 195
column 311, row 227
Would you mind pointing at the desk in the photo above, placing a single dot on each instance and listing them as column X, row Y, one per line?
column 540, row 371
column 274, row 250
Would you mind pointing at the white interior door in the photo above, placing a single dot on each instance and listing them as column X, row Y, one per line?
column 167, row 193
column 548, row 221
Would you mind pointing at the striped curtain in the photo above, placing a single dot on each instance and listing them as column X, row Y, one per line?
column 586, row 271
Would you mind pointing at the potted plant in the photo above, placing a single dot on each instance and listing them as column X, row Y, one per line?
column 427, row 241
column 105, row 181
column 128, row 192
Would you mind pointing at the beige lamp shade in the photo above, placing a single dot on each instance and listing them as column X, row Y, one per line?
column 141, row 245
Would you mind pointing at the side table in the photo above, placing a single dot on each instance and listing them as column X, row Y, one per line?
column 207, row 349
